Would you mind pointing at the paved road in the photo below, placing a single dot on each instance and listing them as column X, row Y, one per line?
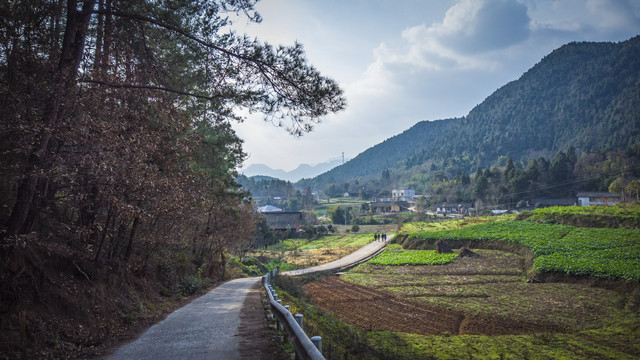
column 362, row 253
column 203, row 329
column 206, row 328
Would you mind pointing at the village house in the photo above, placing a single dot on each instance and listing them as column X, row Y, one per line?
column 269, row 209
column 455, row 208
column 597, row 198
column 403, row 193
column 387, row 206
column 284, row 221
column 547, row 202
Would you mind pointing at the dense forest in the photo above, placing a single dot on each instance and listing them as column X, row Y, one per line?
column 117, row 168
column 580, row 101
column 539, row 180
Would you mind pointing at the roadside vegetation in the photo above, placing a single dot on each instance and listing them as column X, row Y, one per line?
column 340, row 339
column 291, row 254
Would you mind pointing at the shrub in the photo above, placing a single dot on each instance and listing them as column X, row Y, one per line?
column 191, row 285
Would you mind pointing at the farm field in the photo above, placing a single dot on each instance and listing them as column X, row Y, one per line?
column 439, row 310
column 496, row 306
column 599, row 252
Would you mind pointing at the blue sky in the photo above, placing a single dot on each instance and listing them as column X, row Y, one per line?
column 404, row 61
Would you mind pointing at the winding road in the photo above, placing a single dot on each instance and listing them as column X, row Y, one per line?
column 355, row 257
column 206, row 328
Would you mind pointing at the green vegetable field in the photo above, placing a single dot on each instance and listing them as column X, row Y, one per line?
column 394, row 255
column 599, row 252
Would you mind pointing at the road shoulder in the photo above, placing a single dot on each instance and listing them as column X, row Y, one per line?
column 256, row 340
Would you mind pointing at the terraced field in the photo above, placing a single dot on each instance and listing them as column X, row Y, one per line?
column 487, row 299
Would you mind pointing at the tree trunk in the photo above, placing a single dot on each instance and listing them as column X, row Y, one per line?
column 70, row 58
column 132, row 235
column 97, row 60
column 104, row 235
column 223, row 263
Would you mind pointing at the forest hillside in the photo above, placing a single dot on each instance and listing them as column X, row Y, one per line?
column 582, row 95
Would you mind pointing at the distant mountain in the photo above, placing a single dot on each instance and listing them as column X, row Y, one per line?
column 585, row 95
column 301, row 172
column 387, row 154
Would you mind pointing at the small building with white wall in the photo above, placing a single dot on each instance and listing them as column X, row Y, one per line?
column 597, row 198
column 403, row 193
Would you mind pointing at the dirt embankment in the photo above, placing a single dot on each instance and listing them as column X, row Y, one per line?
column 257, row 341
column 379, row 310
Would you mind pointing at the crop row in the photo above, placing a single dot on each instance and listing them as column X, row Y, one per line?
column 540, row 238
column 599, row 252
column 621, row 210
column 412, row 257
column 584, row 264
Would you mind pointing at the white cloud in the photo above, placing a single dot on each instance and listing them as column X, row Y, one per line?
column 375, row 81
column 469, row 32
column 431, row 67
column 590, row 20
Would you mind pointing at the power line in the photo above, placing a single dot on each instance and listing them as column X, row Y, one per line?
column 573, row 181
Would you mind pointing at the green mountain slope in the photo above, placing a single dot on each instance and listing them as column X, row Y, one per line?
column 389, row 153
column 585, row 95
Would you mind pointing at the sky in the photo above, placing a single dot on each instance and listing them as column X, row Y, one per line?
column 400, row 62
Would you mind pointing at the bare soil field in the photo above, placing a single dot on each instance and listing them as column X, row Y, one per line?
column 381, row 310
column 486, row 296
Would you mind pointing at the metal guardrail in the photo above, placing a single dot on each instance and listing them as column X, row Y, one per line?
column 304, row 347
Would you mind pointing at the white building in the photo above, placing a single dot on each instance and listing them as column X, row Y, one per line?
column 403, row 193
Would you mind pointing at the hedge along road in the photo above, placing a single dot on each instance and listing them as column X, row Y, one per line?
column 206, row 328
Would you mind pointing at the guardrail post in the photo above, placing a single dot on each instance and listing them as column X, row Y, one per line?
column 279, row 325
column 317, row 341
column 286, row 307
column 299, row 319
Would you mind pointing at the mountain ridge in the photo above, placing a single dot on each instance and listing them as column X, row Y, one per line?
column 584, row 95
column 302, row 171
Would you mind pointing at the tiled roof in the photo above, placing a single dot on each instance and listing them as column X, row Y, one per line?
column 597, row 194
column 283, row 220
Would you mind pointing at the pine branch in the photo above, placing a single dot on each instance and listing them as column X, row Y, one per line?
column 150, row 87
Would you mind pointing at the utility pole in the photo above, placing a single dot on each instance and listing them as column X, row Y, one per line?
column 343, row 158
